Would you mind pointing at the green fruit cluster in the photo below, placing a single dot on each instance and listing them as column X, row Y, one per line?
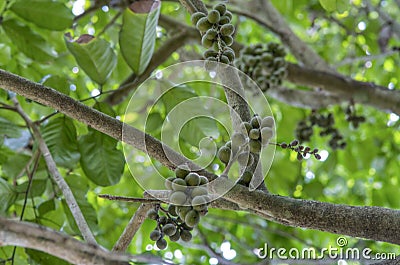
column 168, row 225
column 260, row 131
column 326, row 122
column 264, row 63
column 217, row 31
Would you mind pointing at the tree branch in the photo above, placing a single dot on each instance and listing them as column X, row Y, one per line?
column 375, row 223
column 361, row 92
column 29, row 235
column 304, row 98
column 61, row 183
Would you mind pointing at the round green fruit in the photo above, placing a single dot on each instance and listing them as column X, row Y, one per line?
column 246, row 177
column 227, row 29
column 238, row 139
column 183, row 210
column 179, row 185
column 172, row 210
column 192, row 179
column 255, row 121
column 245, row 127
column 230, row 54
column 224, row 154
column 268, row 122
column 254, row 134
column 175, row 237
column 245, row 159
column 178, row 198
column 152, row 214
column 192, row 218
column 155, row 235
column 186, row 235
column 162, row 220
column 199, row 191
column 224, row 59
column 266, row 135
column 255, row 146
column 206, row 42
column 168, row 183
column 169, row 229
column 213, row 16
column 228, row 14
column 228, row 40
column 224, row 20
column 195, row 17
column 210, row 53
column 203, row 25
column 221, row 8
column 199, row 200
column 203, row 180
column 211, row 34
column 181, row 171
column 161, row 243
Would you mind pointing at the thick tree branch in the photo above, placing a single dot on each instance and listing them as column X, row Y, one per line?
column 361, row 92
column 29, row 235
column 375, row 223
column 303, row 98
column 55, row 174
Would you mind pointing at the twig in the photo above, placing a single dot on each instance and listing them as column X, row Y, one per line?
column 131, row 228
column 111, row 23
column 128, row 199
column 51, row 166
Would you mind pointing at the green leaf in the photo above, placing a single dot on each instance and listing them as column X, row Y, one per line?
column 335, row 5
column 138, row 34
column 60, row 136
column 46, row 207
column 196, row 129
column 38, row 257
column 7, row 128
column 94, row 56
column 7, row 195
column 175, row 96
column 154, row 122
column 15, row 164
column 27, row 41
column 38, row 186
column 59, row 83
column 46, row 14
column 100, row 160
